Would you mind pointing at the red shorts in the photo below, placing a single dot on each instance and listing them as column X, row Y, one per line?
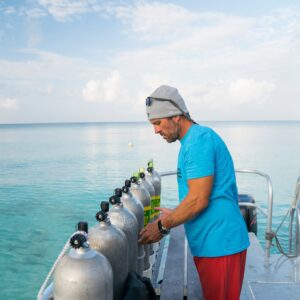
column 221, row 277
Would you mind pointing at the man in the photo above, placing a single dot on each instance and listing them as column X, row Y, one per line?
column 208, row 208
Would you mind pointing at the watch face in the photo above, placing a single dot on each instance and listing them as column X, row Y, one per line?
column 163, row 230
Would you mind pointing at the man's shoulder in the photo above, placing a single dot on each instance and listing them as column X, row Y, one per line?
column 199, row 133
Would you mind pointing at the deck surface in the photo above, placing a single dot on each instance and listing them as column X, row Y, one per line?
column 178, row 276
column 280, row 281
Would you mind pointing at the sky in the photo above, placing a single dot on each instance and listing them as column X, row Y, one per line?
column 97, row 61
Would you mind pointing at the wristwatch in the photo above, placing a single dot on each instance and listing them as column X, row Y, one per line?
column 163, row 230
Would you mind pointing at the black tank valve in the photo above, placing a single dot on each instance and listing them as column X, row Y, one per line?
column 77, row 240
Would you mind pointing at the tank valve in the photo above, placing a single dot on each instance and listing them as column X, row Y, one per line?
column 150, row 169
column 125, row 189
column 77, row 241
column 114, row 200
column 82, row 226
column 104, row 206
column 118, row 192
column 127, row 183
column 133, row 179
column 101, row 216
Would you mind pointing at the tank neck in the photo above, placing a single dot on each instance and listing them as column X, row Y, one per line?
column 118, row 206
column 134, row 185
column 126, row 195
column 82, row 253
column 105, row 223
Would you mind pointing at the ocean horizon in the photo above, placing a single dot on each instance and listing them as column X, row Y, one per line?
column 146, row 122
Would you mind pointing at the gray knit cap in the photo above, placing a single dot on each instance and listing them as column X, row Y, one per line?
column 165, row 102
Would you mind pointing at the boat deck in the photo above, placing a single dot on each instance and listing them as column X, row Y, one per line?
column 175, row 276
column 174, row 273
column 281, row 280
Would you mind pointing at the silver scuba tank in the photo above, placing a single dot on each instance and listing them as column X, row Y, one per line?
column 148, row 186
column 127, row 222
column 110, row 241
column 154, row 178
column 83, row 273
column 136, row 207
column 143, row 195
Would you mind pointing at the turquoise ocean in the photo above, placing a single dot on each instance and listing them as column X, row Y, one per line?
column 54, row 175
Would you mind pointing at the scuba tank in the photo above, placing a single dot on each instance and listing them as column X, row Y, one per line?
column 154, row 178
column 148, row 186
column 143, row 195
column 83, row 274
column 112, row 243
column 136, row 207
column 127, row 222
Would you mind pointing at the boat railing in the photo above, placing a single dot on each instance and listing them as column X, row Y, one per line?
column 295, row 216
column 269, row 234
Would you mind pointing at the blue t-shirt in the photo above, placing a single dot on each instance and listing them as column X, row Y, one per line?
column 220, row 228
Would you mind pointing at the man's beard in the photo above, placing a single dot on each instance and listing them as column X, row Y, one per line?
column 175, row 135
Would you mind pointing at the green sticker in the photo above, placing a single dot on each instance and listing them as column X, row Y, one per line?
column 147, row 214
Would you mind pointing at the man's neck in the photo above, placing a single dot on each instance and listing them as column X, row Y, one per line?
column 185, row 125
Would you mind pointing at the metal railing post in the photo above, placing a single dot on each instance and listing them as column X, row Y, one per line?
column 268, row 232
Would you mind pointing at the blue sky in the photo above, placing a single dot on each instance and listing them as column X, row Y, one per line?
column 96, row 61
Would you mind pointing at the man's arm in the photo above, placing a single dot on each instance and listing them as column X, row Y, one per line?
column 196, row 200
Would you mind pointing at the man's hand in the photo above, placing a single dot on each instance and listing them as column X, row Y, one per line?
column 150, row 234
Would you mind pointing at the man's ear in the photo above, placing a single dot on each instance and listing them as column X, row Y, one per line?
column 176, row 119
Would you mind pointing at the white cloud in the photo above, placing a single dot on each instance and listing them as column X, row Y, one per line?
column 41, row 65
column 228, row 95
column 108, row 90
column 9, row 10
column 245, row 90
column 8, row 103
column 63, row 10
column 34, row 12
column 154, row 21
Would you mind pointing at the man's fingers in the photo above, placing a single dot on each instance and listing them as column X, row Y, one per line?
column 142, row 231
column 143, row 240
column 159, row 208
column 164, row 210
column 140, row 240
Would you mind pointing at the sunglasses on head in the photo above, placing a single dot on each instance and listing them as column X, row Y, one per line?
column 149, row 101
